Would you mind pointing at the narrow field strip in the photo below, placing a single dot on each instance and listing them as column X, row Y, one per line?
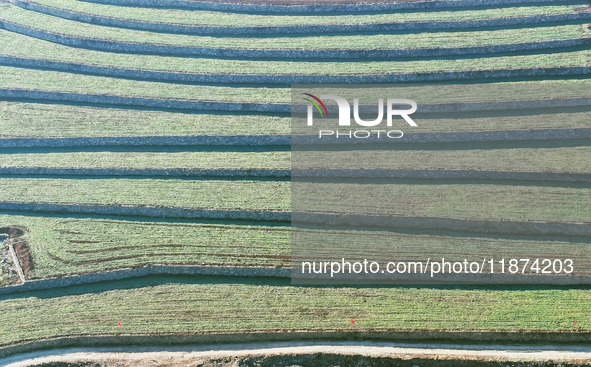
column 466, row 201
column 143, row 102
column 153, row 271
column 202, row 173
column 166, row 143
column 261, row 103
column 506, row 226
column 252, row 199
column 538, row 178
column 373, row 26
column 20, row 120
column 70, row 245
column 491, row 50
column 146, row 212
column 24, row 47
column 222, row 307
column 73, row 245
column 288, row 79
column 331, row 9
column 209, row 196
column 553, row 160
column 423, row 41
column 216, row 18
column 40, row 84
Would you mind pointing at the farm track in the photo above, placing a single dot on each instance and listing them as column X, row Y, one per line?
column 201, row 30
column 288, row 79
column 311, row 353
column 523, row 48
column 328, row 7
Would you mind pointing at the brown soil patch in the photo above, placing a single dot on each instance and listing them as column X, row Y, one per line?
column 21, row 247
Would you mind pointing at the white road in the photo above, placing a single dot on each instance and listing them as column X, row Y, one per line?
column 193, row 355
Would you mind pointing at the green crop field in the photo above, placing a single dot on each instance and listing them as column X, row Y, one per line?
column 481, row 201
column 22, row 119
column 42, row 136
column 230, row 19
column 212, row 305
column 562, row 159
column 69, row 246
column 251, row 195
column 80, row 245
column 420, row 40
column 12, row 45
column 150, row 160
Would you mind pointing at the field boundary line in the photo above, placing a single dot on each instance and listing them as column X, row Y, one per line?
column 387, row 222
column 203, row 30
column 276, row 108
column 144, row 271
column 288, row 79
column 404, row 174
column 149, row 211
column 496, row 50
column 323, row 9
column 284, row 141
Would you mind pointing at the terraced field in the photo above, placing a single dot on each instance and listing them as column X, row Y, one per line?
column 145, row 164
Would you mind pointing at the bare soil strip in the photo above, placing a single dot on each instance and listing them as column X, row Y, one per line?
column 298, row 351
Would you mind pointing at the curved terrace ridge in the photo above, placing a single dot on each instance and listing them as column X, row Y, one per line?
column 297, row 54
column 419, row 174
column 209, row 30
column 329, row 8
column 276, row 108
column 288, row 79
column 486, row 226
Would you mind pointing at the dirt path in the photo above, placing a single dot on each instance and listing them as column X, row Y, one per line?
column 202, row 355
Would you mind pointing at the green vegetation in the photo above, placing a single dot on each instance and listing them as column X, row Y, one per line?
column 565, row 159
column 231, row 19
column 478, row 201
column 17, row 45
column 67, row 246
column 151, row 160
column 213, row 194
column 20, row 78
column 465, row 201
column 211, row 305
column 381, row 41
column 22, row 120
column 75, row 83
column 78, row 245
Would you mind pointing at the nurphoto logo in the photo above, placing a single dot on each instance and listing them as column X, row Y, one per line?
column 393, row 108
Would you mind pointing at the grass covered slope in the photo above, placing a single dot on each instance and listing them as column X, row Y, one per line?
column 200, row 17
column 214, row 305
column 70, row 244
column 383, row 41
